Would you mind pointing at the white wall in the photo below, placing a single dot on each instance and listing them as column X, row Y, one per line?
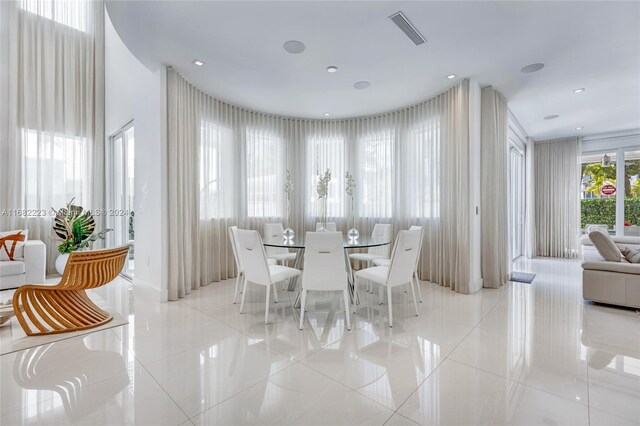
column 135, row 92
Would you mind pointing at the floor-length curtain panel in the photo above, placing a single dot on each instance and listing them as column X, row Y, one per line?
column 435, row 185
column 530, row 211
column 557, row 197
column 494, row 183
column 53, row 114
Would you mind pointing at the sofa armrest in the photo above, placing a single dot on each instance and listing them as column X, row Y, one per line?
column 35, row 261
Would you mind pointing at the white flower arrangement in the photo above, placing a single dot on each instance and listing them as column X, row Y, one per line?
column 288, row 185
column 350, row 184
column 322, row 188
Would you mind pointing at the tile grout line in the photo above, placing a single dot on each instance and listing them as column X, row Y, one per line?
column 445, row 358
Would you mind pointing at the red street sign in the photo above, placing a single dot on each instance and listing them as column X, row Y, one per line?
column 608, row 189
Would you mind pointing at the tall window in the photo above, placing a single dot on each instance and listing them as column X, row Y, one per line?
column 375, row 155
column 327, row 153
column 216, row 168
column 56, row 170
column 598, row 205
column 121, row 174
column 632, row 193
column 72, row 13
column 423, row 170
column 611, row 191
column 265, row 180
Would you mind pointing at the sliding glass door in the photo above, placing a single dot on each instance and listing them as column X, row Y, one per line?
column 516, row 201
column 611, row 191
column 120, row 213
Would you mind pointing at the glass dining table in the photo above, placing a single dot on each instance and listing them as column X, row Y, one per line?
column 297, row 242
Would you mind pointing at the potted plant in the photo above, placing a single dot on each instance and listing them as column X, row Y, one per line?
column 74, row 226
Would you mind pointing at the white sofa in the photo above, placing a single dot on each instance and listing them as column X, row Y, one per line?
column 616, row 283
column 30, row 270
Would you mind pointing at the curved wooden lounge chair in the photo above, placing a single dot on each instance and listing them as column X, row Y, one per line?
column 66, row 307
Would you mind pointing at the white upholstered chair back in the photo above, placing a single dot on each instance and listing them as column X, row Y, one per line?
column 253, row 257
column 324, row 267
column 404, row 257
column 233, row 237
column 331, row 226
column 274, row 231
column 382, row 231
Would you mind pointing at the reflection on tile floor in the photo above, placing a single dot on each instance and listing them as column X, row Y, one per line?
column 524, row 354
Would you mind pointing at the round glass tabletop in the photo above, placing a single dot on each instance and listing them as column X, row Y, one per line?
column 298, row 242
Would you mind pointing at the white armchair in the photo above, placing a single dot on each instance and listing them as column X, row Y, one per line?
column 29, row 270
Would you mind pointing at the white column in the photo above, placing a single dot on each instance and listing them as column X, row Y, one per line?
column 620, row 183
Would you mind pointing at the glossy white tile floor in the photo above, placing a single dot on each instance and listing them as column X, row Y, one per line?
column 524, row 354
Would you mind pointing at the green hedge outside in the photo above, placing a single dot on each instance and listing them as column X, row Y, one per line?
column 603, row 210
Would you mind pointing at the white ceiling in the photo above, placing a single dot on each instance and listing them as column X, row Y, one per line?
column 595, row 45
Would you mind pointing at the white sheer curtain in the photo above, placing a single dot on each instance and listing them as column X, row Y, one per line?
column 52, row 113
column 411, row 167
column 494, row 184
column 557, row 197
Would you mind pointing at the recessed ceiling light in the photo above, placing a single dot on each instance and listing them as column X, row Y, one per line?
column 326, row 114
column 294, row 46
column 579, row 128
column 332, row 69
column 451, row 76
column 580, row 90
column 551, row 117
column 532, row 67
column 362, row 84
column 197, row 62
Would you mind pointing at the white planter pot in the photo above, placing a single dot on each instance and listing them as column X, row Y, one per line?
column 61, row 262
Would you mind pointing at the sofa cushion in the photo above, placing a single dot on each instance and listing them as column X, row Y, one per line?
column 13, row 248
column 15, row 267
column 605, row 246
column 593, row 261
column 590, row 228
column 631, row 255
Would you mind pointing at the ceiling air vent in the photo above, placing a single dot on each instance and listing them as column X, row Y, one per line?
column 403, row 23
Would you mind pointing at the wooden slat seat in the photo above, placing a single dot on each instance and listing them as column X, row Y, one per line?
column 65, row 307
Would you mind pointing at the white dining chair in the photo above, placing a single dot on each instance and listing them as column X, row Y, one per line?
column 400, row 270
column 382, row 231
column 256, row 268
column 331, row 226
column 386, row 262
column 324, row 269
column 233, row 237
column 279, row 254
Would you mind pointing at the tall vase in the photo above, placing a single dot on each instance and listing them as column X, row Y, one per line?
column 289, row 233
column 323, row 215
column 353, row 232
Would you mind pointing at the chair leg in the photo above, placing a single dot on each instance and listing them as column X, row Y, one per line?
column 345, row 296
column 415, row 304
column 266, row 306
column 275, row 292
column 415, row 274
column 303, row 305
column 235, row 293
column 244, row 292
column 380, row 295
column 355, row 292
column 390, row 307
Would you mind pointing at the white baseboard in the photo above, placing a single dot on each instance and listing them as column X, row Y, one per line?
column 156, row 293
